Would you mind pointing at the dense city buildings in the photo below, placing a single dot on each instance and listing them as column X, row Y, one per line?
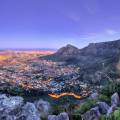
column 27, row 70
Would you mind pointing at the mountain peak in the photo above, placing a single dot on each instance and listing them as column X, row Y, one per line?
column 69, row 45
column 68, row 50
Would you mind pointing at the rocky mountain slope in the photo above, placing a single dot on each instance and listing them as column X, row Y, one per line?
column 98, row 61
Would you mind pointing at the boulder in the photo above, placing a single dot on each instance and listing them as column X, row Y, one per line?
column 61, row 116
column 103, row 107
column 52, row 117
column 9, row 105
column 111, row 109
column 29, row 112
column 92, row 114
column 3, row 96
column 10, row 117
column 115, row 100
column 43, row 106
column 94, row 96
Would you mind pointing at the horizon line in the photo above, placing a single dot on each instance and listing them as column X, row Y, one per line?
column 28, row 48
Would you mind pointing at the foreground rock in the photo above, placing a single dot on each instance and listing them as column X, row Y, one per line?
column 92, row 114
column 94, row 96
column 3, row 96
column 103, row 107
column 115, row 100
column 111, row 110
column 9, row 105
column 14, row 108
column 30, row 112
column 61, row 116
column 43, row 107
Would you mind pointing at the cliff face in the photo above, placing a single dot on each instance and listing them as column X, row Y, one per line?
column 103, row 49
column 96, row 61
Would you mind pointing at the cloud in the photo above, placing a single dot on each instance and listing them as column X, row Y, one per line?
column 111, row 32
column 74, row 16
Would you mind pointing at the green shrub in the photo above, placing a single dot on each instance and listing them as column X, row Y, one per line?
column 110, row 88
column 85, row 107
column 104, row 98
column 117, row 114
column 114, row 116
column 76, row 117
column 56, row 109
column 104, row 117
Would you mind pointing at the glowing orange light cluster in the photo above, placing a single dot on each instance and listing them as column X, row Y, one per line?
column 2, row 57
column 56, row 96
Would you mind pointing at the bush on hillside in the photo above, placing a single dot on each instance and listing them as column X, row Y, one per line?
column 85, row 107
column 104, row 98
column 110, row 88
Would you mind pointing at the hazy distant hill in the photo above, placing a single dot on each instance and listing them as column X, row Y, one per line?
column 98, row 61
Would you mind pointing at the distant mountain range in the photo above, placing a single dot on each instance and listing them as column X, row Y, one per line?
column 98, row 61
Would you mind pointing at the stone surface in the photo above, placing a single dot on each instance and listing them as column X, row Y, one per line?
column 92, row 114
column 14, row 108
column 115, row 100
column 94, row 96
column 9, row 105
column 111, row 109
column 103, row 107
column 3, row 96
column 43, row 106
column 61, row 116
column 29, row 112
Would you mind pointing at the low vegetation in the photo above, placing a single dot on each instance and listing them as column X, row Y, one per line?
column 104, row 98
column 110, row 88
column 114, row 116
column 85, row 107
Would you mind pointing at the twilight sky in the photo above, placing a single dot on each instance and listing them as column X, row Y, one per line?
column 54, row 23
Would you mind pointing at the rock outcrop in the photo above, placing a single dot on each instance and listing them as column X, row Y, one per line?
column 14, row 108
column 111, row 109
column 92, row 114
column 30, row 112
column 43, row 107
column 115, row 100
column 61, row 116
column 103, row 107
column 94, row 96
column 9, row 105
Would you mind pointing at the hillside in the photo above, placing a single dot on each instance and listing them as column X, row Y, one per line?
column 98, row 61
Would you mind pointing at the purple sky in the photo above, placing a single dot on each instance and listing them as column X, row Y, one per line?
column 54, row 23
